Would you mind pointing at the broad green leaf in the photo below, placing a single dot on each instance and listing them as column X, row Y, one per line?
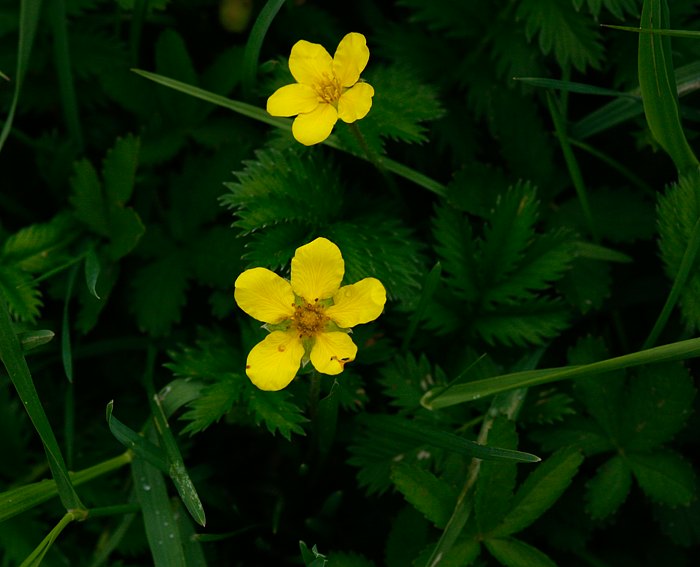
column 34, row 339
column 657, row 405
column 126, row 229
column 680, row 523
column 540, row 491
column 665, row 477
column 119, row 169
column 657, row 82
column 609, row 488
column 431, row 496
column 512, row 552
column 462, row 553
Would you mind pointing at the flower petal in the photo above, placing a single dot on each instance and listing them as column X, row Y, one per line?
column 332, row 351
column 350, row 58
column 355, row 103
column 358, row 303
column 291, row 100
column 273, row 362
column 315, row 126
column 309, row 62
column 317, row 270
column 264, row 295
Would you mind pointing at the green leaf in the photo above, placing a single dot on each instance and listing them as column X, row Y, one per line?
column 274, row 247
column 278, row 413
column 119, row 169
column 407, row 536
column 21, row 293
column 126, row 229
column 36, row 557
column 665, row 477
column 282, row 187
column 139, row 444
column 212, row 404
column 608, row 489
column 657, row 82
column 159, row 293
column 512, row 552
column 461, row 554
column 455, row 246
column 657, row 405
column 92, row 272
column 496, row 481
column 340, row 559
column 540, row 491
column 573, row 39
column 586, row 285
column 681, row 523
column 41, row 246
column 173, row 60
column 87, row 198
column 405, row 380
column 431, row 496
column 312, row 558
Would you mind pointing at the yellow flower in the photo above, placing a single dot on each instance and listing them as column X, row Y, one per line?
column 326, row 89
column 310, row 318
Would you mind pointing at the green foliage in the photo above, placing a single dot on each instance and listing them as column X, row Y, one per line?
column 406, row 380
column 425, row 492
column 502, row 273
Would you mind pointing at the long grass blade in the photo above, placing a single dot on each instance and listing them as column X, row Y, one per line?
column 251, row 54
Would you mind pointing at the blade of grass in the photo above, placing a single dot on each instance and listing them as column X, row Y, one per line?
column 23, row 498
column 64, row 70
column 569, row 86
column 18, row 371
column 176, row 466
column 36, row 557
column 255, row 41
column 658, row 87
column 656, row 31
column 29, row 11
column 285, row 124
column 572, row 165
column 461, row 393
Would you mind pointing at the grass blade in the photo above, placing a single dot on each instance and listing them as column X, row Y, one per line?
column 18, row 371
column 461, row 393
column 28, row 19
column 571, row 87
column 255, row 41
column 36, row 557
column 658, row 86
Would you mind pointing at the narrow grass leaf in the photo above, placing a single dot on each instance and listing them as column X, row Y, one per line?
column 29, row 11
column 37, row 556
column 141, row 446
column 18, row 371
column 658, row 87
column 572, row 87
column 461, row 393
column 66, row 351
column 255, row 40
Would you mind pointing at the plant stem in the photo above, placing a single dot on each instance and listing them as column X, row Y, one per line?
column 373, row 158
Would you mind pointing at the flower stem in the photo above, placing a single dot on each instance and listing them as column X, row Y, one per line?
column 314, row 395
column 374, row 159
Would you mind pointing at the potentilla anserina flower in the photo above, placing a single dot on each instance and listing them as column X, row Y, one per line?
column 326, row 88
column 309, row 317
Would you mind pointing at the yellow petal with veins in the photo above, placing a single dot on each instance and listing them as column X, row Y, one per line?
column 350, row 58
column 355, row 103
column 358, row 303
column 310, row 63
column 316, row 126
column 264, row 295
column 273, row 362
column 291, row 100
column 332, row 351
column 317, row 270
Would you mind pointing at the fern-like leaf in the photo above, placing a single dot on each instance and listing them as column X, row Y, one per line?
column 21, row 293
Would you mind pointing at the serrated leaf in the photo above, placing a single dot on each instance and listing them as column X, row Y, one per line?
column 212, row 404
column 512, row 552
column 658, row 403
column 408, row 535
column 608, row 489
column 560, row 28
column 91, row 307
column 285, row 186
column 665, row 477
column 455, row 246
column 274, row 247
column 540, row 491
column 406, row 379
column 87, row 198
column 126, row 229
column 547, row 405
column 277, row 412
column 21, row 293
column 679, row 213
column 461, row 554
column 119, row 169
column 529, row 323
column 586, row 285
column 496, row 481
column 158, row 294
column 680, row 523
column 40, row 246
column 434, row 498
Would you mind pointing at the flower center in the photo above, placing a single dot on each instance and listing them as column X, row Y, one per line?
column 309, row 319
column 328, row 89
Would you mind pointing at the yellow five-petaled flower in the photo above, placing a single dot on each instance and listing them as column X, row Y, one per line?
column 310, row 318
column 326, row 88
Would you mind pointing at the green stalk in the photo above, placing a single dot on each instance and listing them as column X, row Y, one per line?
column 251, row 54
column 35, row 557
